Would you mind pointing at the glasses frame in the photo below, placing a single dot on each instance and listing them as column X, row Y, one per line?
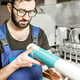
column 35, row 12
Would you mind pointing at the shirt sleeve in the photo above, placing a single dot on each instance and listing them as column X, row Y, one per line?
column 43, row 41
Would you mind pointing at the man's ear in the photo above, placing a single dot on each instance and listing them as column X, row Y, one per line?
column 9, row 6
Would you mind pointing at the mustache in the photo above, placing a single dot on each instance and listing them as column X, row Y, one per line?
column 24, row 20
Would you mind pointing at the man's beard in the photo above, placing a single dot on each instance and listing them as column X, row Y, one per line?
column 17, row 24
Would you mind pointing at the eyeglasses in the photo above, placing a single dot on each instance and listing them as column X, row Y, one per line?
column 21, row 12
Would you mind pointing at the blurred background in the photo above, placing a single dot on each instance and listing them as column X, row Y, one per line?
column 60, row 19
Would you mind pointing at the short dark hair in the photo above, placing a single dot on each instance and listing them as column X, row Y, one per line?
column 12, row 1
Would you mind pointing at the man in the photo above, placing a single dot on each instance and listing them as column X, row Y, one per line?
column 16, row 61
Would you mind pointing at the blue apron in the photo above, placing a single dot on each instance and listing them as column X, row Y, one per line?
column 25, row 73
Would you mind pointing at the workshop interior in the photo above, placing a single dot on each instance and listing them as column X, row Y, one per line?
column 60, row 19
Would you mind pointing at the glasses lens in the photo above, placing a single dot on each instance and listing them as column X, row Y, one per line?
column 21, row 12
column 32, row 13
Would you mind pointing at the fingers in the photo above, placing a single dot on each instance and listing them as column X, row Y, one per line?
column 28, row 51
column 57, row 72
column 33, row 61
column 53, row 70
column 30, row 65
column 24, row 60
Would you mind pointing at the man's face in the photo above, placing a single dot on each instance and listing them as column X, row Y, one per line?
column 22, row 21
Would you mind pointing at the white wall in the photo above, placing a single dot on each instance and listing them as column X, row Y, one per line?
column 48, row 2
column 47, row 24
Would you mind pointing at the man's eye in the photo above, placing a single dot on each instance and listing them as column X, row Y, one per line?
column 31, row 11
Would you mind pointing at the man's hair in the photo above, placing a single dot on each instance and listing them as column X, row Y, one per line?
column 12, row 1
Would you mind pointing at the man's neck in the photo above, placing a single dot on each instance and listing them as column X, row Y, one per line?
column 18, row 33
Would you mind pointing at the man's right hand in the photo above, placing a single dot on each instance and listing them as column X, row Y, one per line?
column 23, row 60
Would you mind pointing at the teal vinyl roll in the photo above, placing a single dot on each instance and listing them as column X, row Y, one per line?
column 45, row 57
column 11, row 59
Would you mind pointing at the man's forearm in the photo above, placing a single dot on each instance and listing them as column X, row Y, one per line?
column 7, row 70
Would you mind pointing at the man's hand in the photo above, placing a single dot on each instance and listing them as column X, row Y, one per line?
column 53, row 70
column 23, row 60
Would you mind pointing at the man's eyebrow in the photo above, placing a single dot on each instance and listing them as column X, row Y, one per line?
column 26, row 10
